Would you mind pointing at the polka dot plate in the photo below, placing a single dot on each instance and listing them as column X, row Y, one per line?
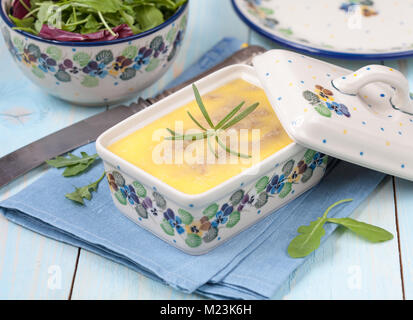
column 352, row 29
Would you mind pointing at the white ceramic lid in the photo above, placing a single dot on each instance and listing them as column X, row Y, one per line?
column 364, row 117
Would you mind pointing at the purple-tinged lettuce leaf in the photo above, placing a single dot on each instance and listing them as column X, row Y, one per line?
column 19, row 11
column 50, row 33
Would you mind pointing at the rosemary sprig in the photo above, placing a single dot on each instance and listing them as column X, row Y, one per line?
column 228, row 121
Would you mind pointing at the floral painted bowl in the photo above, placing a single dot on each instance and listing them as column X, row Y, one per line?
column 100, row 72
column 198, row 223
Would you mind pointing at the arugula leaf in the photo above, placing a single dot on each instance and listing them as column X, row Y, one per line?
column 367, row 231
column 84, row 192
column 74, row 164
column 309, row 239
column 310, row 236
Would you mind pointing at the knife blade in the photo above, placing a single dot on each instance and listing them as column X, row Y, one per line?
column 33, row 155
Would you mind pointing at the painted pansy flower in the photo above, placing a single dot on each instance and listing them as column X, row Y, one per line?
column 247, row 199
column 129, row 193
column 47, row 64
column 28, row 59
column 158, row 46
column 318, row 160
column 222, row 215
column 67, row 65
column 323, row 93
column 112, row 184
column 148, row 205
column 296, row 174
column 96, row 69
column 143, row 58
column 119, row 65
column 198, row 227
column 339, row 108
column 368, row 12
column 174, row 221
column 276, row 184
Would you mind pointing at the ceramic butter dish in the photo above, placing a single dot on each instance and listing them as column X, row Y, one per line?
column 362, row 117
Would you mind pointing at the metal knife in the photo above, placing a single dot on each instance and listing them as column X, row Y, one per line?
column 31, row 156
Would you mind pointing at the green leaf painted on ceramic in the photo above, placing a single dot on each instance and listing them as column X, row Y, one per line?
column 153, row 65
column 211, row 211
column 367, row 231
column 308, row 240
column 323, row 110
column 119, row 196
column 286, row 190
column 184, row 19
column 54, row 52
column 34, row 50
column 130, row 52
column 167, row 228
column 141, row 211
column 267, row 11
column 311, row 97
column 63, row 76
column 81, row 58
column 38, row 72
column 288, row 168
column 210, row 235
column 233, row 219
column 128, row 74
column 193, row 240
column 156, row 43
column 309, row 156
column 170, row 37
column 307, row 175
column 262, row 200
column 105, row 56
column 159, row 200
column 139, row 189
column 18, row 43
column 237, row 197
column 90, row 82
column 286, row 32
column 185, row 216
column 262, row 184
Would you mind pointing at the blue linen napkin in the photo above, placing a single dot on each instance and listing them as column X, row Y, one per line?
column 250, row 266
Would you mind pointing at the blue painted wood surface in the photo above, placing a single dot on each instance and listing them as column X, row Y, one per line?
column 346, row 267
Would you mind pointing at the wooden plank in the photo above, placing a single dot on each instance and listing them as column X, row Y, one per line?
column 404, row 191
column 26, row 258
column 404, row 199
column 99, row 278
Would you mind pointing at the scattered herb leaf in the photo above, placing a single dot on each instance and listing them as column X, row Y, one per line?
column 367, row 231
column 74, row 165
column 84, row 192
column 310, row 236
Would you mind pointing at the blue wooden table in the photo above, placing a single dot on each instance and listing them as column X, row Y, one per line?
column 346, row 267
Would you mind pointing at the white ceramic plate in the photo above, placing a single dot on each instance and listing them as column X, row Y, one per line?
column 354, row 29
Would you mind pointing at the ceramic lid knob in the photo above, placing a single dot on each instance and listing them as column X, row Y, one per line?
column 354, row 82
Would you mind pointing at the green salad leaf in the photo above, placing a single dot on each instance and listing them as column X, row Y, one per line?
column 90, row 16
